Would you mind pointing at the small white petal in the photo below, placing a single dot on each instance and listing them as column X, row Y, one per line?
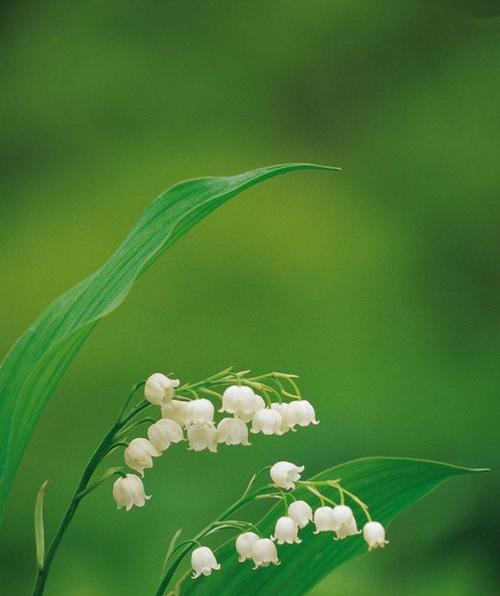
column 286, row 531
column 159, row 388
column 232, row 431
column 203, row 561
column 374, row 535
column 139, row 455
column 284, row 474
column 244, row 545
column 199, row 411
column 163, row 432
column 268, row 422
column 202, row 436
column 323, row 519
column 344, row 523
column 301, row 513
column 129, row 491
column 303, row 412
column 264, row 553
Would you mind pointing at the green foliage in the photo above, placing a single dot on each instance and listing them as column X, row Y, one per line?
column 36, row 363
column 39, row 526
column 387, row 485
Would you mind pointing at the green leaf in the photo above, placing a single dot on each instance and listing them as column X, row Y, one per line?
column 32, row 369
column 387, row 485
column 39, row 526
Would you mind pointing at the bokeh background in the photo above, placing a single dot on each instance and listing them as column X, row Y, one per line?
column 379, row 285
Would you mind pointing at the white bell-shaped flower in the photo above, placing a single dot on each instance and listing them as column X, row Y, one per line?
column 303, row 412
column 159, row 388
column 237, row 399
column 257, row 404
column 129, row 491
column 344, row 522
column 374, row 535
column 200, row 411
column 323, row 518
column 202, row 436
column 163, row 432
column 139, row 455
column 267, row 422
column 203, row 561
column 264, row 553
column 300, row 512
column 232, row 431
column 175, row 409
column 284, row 474
column 244, row 545
column 287, row 414
column 286, row 531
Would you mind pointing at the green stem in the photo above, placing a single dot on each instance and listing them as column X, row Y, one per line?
column 81, row 491
column 236, row 506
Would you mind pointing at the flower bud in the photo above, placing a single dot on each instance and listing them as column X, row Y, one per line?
column 284, row 474
column 159, row 388
column 300, row 512
column 232, row 431
column 129, row 491
column 163, row 432
column 139, row 455
column 244, row 545
column 264, row 553
column 303, row 412
column 286, row 531
column 268, row 422
column 202, row 436
column 344, row 523
column 323, row 519
column 374, row 535
column 199, row 411
column 203, row 561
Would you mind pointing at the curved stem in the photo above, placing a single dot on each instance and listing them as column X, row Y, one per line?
column 241, row 502
column 82, row 489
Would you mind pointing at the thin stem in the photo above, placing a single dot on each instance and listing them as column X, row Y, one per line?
column 236, row 506
column 107, row 443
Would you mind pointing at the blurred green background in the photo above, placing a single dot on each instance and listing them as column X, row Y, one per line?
column 379, row 286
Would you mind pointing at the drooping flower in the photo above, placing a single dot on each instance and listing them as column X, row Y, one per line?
column 175, row 409
column 163, row 432
column 139, row 455
column 241, row 401
column 287, row 414
column 202, row 436
column 237, row 398
column 344, row 522
column 203, row 561
column 267, row 422
column 264, row 553
column 300, row 512
column 244, row 545
column 159, row 388
column 303, row 412
column 374, row 535
column 284, row 474
column 232, row 431
column 129, row 491
column 323, row 519
column 286, row 531
column 199, row 411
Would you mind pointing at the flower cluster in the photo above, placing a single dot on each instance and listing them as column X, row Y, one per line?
column 262, row 551
column 185, row 415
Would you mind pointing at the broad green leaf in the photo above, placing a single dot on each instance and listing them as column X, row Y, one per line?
column 39, row 526
column 32, row 369
column 387, row 485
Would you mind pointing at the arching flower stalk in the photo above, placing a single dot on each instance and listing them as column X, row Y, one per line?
column 251, row 544
column 177, row 412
